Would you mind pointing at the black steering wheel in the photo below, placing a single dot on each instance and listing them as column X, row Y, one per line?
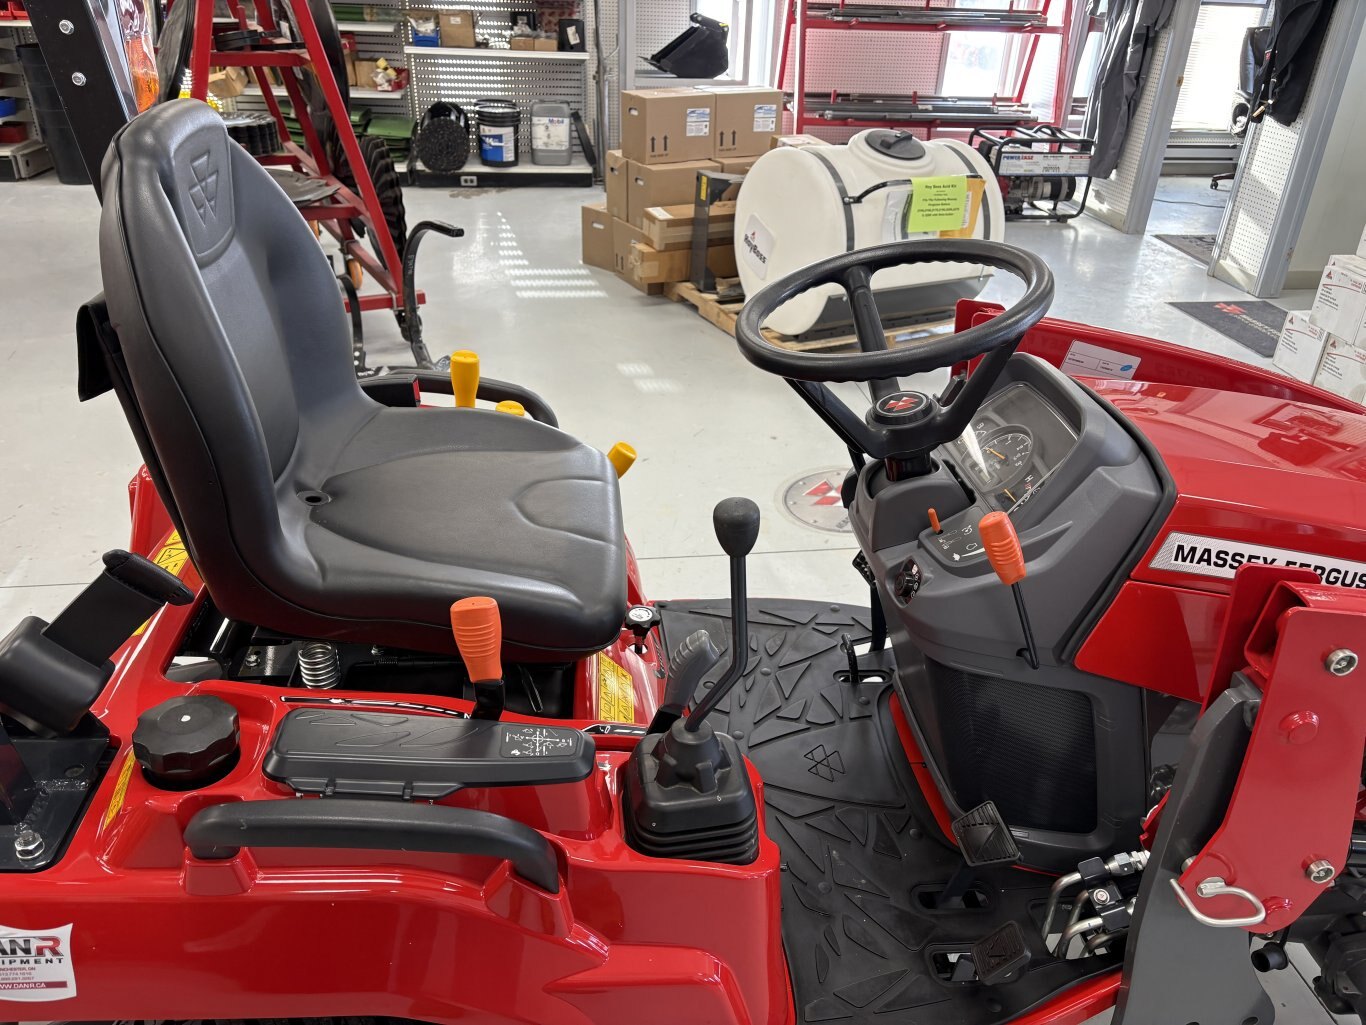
column 903, row 426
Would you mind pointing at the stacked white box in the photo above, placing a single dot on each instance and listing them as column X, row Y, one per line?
column 1300, row 347
column 1340, row 303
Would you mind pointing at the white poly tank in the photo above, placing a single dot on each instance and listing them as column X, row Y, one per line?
column 791, row 213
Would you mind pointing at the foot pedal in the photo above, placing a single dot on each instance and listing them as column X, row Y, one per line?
column 984, row 838
column 1000, row 954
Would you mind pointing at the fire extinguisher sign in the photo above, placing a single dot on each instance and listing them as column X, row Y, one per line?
column 35, row 964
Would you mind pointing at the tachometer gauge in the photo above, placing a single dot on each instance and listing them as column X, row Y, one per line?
column 1006, row 454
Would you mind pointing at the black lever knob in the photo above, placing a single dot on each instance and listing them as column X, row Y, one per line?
column 737, row 525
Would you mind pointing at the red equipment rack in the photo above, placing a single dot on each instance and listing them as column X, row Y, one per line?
column 800, row 20
column 336, row 214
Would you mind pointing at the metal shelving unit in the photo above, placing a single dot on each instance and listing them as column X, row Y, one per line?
column 29, row 157
column 850, row 108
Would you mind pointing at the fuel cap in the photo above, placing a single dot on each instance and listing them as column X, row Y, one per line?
column 187, row 742
column 902, row 409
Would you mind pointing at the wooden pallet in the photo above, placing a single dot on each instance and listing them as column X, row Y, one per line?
column 723, row 308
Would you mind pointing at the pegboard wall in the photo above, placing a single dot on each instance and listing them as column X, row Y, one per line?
column 1255, row 245
column 461, row 79
column 1123, row 199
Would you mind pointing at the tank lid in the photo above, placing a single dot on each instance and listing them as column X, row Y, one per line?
column 897, row 145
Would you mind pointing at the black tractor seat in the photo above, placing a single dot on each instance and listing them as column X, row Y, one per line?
column 309, row 508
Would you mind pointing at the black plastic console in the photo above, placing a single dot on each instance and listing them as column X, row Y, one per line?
column 380, row 754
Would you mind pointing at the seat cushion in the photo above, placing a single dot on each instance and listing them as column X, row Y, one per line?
column 426, row 506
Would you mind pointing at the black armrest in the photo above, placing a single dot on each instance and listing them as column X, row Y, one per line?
column 221, row 830
column 490, row 390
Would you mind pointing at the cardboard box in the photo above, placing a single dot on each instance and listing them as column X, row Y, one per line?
column 457, row 27
column 666, row 126
column 743, row 120
column 623, row 235
column 1300, row 347
column 365, row 73
column 670, row 227
column 522, row 43
column 617, row 178
column 1343, row 370
column 737, row 165
column 651, row 266
column 779, row 141
column 1340, row 303
column 661, row 185
column 547, row 43
column 597, row 236
column 228, row 82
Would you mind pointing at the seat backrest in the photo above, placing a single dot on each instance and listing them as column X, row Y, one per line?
column 232, row 329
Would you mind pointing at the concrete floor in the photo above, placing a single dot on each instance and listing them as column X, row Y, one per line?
column 615, row 364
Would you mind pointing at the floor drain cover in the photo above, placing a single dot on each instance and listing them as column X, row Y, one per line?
column 813, row 500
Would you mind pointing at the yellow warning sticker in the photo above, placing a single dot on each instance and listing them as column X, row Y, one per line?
column 172, row 559
column 616, row 692
column 120, row 790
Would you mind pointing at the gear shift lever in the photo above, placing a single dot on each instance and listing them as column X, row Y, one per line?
column 736, row 521
column 686, row 788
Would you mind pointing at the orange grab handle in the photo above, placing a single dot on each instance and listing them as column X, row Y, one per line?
column 478, row 633
column 1002, row 546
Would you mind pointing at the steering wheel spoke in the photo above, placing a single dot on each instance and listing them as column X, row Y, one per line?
column 876, row 361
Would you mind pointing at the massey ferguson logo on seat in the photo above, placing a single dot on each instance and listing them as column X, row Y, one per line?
column 204, row 191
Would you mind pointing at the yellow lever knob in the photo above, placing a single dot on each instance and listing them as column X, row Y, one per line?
column 509, row 406
column 622, row 456
column 464, row 377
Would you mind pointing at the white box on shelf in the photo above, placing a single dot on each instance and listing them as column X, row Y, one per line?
column 1300, row 347
column 1340, row 303
column 1343, row 370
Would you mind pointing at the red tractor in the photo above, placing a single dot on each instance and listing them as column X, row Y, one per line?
column 372, row 719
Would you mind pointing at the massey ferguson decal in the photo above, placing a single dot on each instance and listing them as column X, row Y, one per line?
column 1215, row 557
column 35, row 964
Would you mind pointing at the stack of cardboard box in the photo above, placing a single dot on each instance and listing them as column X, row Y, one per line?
column 667, row 136
column 1327, row 344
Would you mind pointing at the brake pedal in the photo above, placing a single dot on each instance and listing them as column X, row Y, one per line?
column 984, row 838
column 1000, row 954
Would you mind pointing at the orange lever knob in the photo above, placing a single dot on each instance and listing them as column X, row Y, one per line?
column 1002, row 546
column 478, row 633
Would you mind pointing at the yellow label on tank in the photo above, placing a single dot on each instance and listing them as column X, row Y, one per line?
column 120, row 790
column 616, row 692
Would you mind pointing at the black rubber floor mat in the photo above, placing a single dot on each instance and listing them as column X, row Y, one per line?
column 1253, row 323
column 1197, row 247
column 861, row 858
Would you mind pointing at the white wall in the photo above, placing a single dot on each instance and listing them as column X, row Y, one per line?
column 1337, row 204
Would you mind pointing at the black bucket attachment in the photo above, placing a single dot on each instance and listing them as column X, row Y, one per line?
column 700, row 52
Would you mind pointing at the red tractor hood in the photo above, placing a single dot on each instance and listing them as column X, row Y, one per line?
column 1257, row 479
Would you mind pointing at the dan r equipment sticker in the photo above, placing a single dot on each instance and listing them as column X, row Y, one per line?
column 35, row 964
column 1216, row 557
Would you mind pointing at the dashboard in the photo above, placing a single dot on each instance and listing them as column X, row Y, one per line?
column 1012, row 448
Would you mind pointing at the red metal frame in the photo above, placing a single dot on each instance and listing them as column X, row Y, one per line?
column 1295, row 800
column 311, row 158
column 798, row 22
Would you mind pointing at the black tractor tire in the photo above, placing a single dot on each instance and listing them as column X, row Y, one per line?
column 388, row 185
